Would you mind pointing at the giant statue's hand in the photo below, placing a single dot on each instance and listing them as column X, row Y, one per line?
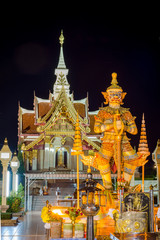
column 87, row 160
column 119, row 124
column 107, row 125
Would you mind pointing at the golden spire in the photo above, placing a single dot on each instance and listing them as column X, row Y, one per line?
column 143, row 145
column 114, row 82
column 114, row 78
column 77, row 145
column 61, row 38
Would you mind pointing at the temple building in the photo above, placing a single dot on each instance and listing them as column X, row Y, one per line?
column 47, row 133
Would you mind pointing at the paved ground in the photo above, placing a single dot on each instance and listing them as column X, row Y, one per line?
column 30, row 227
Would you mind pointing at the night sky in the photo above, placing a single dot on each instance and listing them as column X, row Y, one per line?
column 94, row 47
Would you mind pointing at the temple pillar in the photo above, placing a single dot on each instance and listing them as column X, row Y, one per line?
column 46, row 153
column 27, row 163
column 4, row 182
column 80, row 164
column 69, row 159
column 34, row 159
column 41, row 156
column 26, row 160
column 51, row 157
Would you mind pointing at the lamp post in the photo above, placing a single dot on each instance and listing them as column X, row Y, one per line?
column 14, row 165
column 90, row 203
column 5, row 156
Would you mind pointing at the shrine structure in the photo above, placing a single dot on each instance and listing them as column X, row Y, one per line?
column 46, row 133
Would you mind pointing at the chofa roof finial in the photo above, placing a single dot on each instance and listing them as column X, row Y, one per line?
column 61, row 38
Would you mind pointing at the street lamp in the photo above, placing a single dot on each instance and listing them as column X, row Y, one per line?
column 90, row 203
column 14, row 165
column 5, row 156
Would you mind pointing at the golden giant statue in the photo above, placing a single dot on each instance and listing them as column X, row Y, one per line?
column 116, row 152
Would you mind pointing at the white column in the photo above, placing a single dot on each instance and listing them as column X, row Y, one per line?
column 54, row 158
column 34, row 163
column 80, row 164
column 27, row 164
column 46, row 156
column 4, row 186
column 14, row 180
column 51, row 157
column 28, row 202
column 34, row 160
column 41, row 156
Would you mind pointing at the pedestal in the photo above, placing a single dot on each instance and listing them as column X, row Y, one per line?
column 3, row 208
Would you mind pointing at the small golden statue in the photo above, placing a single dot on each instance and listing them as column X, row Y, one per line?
column 116, row 152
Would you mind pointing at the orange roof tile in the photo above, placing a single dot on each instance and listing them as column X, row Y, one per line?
column 80, row 108
column 43, row 108
column 28, row 126
column 92, row 121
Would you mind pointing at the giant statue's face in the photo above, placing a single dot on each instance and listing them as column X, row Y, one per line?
column 115, row 96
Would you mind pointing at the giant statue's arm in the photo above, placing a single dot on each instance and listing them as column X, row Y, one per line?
column 100, row 124
column 130, row 125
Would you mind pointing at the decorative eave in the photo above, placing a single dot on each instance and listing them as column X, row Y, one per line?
column 32, row 144
column 24, row 110
column 83, row 101
column 93, row 112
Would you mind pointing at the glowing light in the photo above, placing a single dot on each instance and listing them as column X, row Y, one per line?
column 8, row 184
column 14, row 164
column 57, row 211
column 4, row 155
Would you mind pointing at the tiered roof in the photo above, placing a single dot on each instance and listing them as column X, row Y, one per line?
column 35, row 124
column 143, row 145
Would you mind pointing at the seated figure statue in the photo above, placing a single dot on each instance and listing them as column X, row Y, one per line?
column 114, row 120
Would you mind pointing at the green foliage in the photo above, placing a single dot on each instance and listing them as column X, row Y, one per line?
column 14, row 204
column 15, row 200
column 19, row 194
column 5, row 216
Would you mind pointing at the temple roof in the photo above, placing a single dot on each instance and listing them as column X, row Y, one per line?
column 42, row 120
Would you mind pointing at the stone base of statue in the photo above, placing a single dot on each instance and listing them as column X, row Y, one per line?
column 3, row 208
column 132, row 222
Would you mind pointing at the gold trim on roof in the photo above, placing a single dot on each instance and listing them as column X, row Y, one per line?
column 32, row 144
column 55, row 111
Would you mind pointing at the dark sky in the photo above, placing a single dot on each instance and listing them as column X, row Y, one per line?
column 94, row 47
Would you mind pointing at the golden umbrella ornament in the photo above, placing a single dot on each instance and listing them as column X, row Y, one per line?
column 77, row 150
